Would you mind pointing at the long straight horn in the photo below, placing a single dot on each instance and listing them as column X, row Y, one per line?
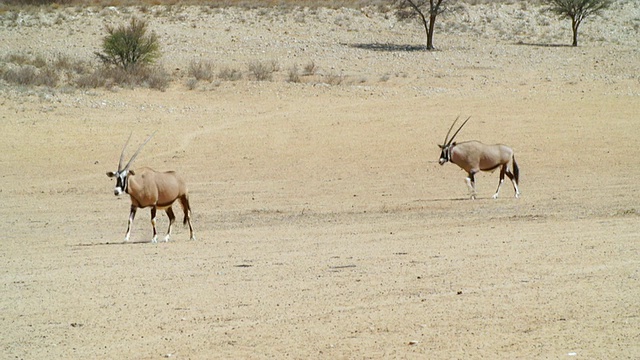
column 449, row 132
column 122, row 154
column 460, row 128
column 138, row 151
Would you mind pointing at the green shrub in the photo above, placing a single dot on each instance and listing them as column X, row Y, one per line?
column 129, row 46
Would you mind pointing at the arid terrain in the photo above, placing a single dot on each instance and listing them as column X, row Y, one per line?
column 325, row 227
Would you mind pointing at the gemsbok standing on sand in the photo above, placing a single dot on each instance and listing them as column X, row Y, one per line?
column 474, row 156
column 149, row 188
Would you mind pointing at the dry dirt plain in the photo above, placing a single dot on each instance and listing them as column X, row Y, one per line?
column 325, row 227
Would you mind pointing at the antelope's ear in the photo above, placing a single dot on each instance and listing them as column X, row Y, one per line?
column 131, row 172
column 441, row 146
column 111, row 174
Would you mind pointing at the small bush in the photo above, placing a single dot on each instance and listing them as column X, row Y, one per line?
column 155, row 78
column 192, row 83
column 230, row 74
column 108, row 77
column 91, row 80
column 63, row 62
column 334, row 79
column 263, row 71
column 66, row 64
column 18, row 58
column 294, row 74
column 130, row 46
column 47, row 77
column 23, row 75
column 201, row 70
column 310, row 69
column 39, row 61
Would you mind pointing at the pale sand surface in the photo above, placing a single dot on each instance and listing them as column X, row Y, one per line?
column 326, row 228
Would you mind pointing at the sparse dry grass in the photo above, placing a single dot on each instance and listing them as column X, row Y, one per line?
column 201, row 70
column 27, row 70
column 229, row 74
column 263, row 70
column 310, row 68
column 334, row 79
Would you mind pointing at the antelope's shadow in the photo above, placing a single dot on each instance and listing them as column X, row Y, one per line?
column 109, row 243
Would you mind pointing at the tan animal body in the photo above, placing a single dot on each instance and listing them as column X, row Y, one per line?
column 474, row 156
column 149, row 188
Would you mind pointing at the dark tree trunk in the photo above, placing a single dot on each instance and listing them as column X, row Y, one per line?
column 432, row 22
column 574, row 27
column 428, row 28
column 429, row 25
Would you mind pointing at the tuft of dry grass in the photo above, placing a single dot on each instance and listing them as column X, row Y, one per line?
column 294, row 74
column 191, row 83
column 334, row 79
column 201, row 70
column 109, row 77
column 62, row 70
column 310, row 69
column 263, row 71
column 229, row 74
column 25, row 70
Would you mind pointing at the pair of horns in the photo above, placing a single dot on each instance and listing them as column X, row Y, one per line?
column 120, row 168
column 446, row 138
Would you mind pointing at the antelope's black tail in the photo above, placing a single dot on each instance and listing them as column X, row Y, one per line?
column 184, row 201
column 516, row 170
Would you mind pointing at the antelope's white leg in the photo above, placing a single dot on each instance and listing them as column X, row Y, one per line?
column 515, row 187
column 471, row 185
column 503, row 172
column 132, row 215
column 153, row 224
column 495, row 196
column 172, row 218
column 193, row 236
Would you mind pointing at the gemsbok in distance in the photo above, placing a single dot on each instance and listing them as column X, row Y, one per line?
column 474, row 156
column 149, row 188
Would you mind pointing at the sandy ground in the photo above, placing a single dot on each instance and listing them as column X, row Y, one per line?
column 325, row 226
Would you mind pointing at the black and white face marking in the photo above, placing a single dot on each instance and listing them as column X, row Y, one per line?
column 121, row 181
column 445, row 154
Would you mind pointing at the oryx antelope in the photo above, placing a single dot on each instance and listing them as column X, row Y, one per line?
column 474, row 156
column 149, row 188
